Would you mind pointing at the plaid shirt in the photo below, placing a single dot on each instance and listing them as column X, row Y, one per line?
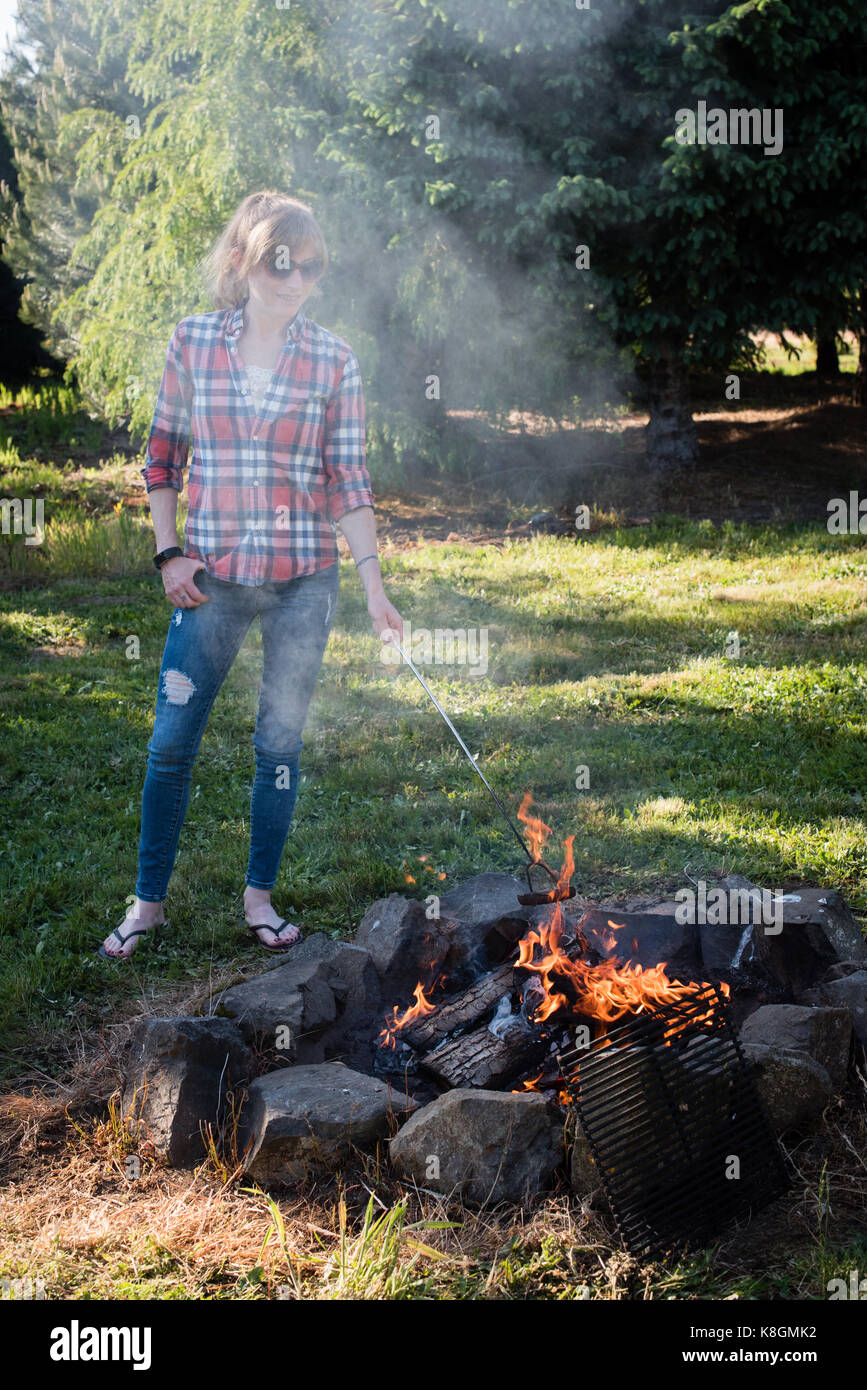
column 265, row 487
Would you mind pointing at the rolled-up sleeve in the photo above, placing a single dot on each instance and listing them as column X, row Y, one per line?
column 168, row 441
column 347, row 478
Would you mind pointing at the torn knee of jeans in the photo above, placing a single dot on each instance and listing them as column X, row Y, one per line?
column 178, row 687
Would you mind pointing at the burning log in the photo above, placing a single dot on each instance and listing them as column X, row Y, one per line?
column 485, row 1058
column 429, row 1031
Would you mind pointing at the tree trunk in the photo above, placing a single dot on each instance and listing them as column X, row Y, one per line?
column 859, row 394
column 827, row 360
column 671, row 440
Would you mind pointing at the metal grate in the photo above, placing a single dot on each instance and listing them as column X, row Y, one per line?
column 668, row 1103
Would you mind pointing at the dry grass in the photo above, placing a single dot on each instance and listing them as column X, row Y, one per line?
column 72, row 1217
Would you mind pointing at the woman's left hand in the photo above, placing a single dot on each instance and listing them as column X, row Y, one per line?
column 384, row 615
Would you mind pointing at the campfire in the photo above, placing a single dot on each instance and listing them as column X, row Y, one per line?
column 506, row 1041
column 563, row 1007
column 559, row 980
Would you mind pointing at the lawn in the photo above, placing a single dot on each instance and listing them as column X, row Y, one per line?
column 710, row 677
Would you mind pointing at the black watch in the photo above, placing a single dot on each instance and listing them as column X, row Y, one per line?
column 160, row 559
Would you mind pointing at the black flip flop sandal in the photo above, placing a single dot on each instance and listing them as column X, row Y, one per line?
column 140, row 931
column 284, row 945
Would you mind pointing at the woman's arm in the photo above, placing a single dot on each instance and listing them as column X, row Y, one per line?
column 359, row 528
column 164, row 513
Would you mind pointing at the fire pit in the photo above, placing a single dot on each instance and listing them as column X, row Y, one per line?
column 477, row 1034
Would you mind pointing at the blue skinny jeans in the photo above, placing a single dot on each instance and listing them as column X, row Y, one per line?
column 296, row 617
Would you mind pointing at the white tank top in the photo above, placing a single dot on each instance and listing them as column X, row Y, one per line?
column 259, row 379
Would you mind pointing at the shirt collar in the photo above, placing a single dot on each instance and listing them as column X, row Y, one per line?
column 235, row 322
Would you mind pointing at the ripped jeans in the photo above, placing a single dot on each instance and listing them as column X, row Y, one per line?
column 296, row 617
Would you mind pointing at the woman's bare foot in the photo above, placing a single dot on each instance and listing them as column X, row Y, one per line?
column 139, row 917
column 260, row 913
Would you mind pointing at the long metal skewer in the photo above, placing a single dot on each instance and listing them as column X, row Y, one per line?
column 470, row 759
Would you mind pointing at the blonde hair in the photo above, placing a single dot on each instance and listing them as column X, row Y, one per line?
column 262, row 224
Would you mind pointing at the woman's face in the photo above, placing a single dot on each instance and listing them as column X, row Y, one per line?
column 279, row 297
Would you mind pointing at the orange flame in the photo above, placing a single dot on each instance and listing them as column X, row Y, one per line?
column 606, row 991
column 537, row 830
column 422, row 1006
column 530, row 1085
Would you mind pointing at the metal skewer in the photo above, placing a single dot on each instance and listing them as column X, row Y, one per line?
column 391, row 636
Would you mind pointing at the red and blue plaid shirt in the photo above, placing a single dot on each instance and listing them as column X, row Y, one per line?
column 265, row 487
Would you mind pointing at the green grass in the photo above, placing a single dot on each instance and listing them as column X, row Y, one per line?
column 777, row 359
column 608, row 651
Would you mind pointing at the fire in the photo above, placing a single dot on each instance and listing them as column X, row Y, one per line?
column 422, row 1006
column 537, row 830
column 606, row 991
column 530, row 1085
column 428, row 868
column 608, row 941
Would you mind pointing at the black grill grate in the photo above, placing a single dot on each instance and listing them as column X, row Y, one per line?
column 667, row 1101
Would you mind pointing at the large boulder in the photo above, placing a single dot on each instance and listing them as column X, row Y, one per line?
column 302, row 1118
column 483, row 1146
column 826, row 909
column 824, row 1034
column 177, row 1078
column 294, row 1009
column 485, row 898
column 276, row 1008
column 793, row 1087
column 848, row 992
column 812, row 929
column 405, row 945
column 348, row 970
column 645, row 938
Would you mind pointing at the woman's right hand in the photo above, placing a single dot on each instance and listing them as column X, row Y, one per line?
column 178, row 582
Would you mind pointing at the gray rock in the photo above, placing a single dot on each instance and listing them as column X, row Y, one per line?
column 847, row 992
column 842, row 969
column 824, row 1034
column 793, row 1087
column 484, row 1146
column 404, row 944
column 281, row 1006
column 485, row 898
column 306, row 1117
column 827, row 909
column 348, row 970
column 177, row 1078
column 646, row 938
column 817, row 930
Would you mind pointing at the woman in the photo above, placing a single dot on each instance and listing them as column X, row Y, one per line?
column 272, row 404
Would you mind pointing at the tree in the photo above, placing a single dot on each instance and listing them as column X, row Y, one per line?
column 558, row 133
column 21, row 351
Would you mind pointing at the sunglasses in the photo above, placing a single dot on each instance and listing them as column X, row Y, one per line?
column 282, row 267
